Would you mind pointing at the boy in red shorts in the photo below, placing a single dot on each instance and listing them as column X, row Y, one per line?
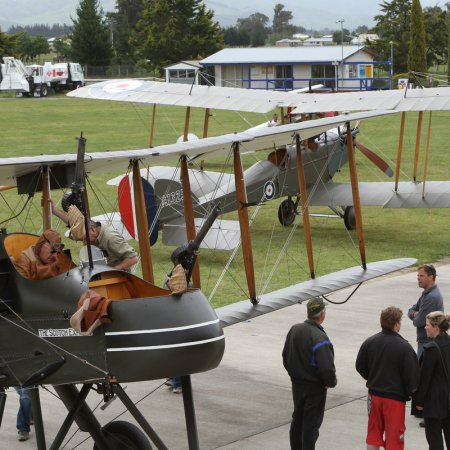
column 390, row 366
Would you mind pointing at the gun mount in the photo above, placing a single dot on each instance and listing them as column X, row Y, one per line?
column 186, row 254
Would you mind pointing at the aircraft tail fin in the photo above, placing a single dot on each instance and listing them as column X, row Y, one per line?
column 125, row 194
column 169, row 198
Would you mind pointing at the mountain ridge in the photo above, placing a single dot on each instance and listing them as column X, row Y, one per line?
column 317, row 15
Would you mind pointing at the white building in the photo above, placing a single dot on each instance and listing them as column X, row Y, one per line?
column 285, row 68
column 362, row 38
column 183, row 72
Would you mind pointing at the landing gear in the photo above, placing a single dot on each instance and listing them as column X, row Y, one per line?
column 120, row 435
column 116, row 435
column 349, row 218
column 287, row 212
column 44, row 90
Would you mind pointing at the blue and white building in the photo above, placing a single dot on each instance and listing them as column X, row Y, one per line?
column 346, row 67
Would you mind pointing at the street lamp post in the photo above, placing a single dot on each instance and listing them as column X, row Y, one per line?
column 392, row 63
column 342, row 51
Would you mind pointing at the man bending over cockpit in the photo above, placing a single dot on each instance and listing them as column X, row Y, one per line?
column 119, row 254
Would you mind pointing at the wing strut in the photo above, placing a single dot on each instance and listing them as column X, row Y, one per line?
column 241, row 200
column 152, row 129
column 142, row 224
column 399, row 151
column 187, row 119
column 189, row 216
column 206, row 123
column 304, row 204
column 47, row 214
column 355, row 194
column 205, row 132
column 418, row 136
column 427, row 151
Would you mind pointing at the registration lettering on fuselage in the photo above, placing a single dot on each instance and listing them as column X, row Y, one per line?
column 171, row 198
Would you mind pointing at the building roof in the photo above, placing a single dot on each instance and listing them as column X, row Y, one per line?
column 281, row 55
column 185, row 65
column 325, row 39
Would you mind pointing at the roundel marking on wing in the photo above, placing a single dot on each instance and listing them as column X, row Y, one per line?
column 269, row 190
column 124, row 86
column 127, row 207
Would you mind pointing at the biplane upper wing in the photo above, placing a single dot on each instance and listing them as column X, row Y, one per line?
column 409, row 194
column 428, row 99
column 258, row 139
column 179, row 94
column 298, row 293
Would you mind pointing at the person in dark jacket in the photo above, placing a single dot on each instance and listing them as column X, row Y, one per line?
column 308, row 357
column 430, row 300
column 389, row 364
column 433, row 393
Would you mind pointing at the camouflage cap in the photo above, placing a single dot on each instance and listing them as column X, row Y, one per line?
column 315, row 306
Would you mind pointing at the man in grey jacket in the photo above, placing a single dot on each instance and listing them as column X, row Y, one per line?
column 430, row 300
column 308, row 357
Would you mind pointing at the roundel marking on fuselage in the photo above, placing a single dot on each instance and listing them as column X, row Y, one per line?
column 269, row 190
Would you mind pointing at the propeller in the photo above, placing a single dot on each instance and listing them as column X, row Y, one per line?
column 377, row 160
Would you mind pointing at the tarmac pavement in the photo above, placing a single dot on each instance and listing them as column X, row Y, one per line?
column 246, row 402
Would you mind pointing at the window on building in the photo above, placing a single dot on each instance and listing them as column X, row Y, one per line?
column 352, row 70
column 256, row 69
column 324, row 73
column 317, row 71
column 283, row 77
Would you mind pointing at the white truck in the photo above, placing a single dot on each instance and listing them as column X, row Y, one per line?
column 36, row 80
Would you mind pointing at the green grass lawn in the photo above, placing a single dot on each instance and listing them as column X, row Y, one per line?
column 32, row 126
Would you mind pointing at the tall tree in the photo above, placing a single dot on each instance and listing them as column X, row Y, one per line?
column 256, row 26
column 281, row 19
column 362, row 29
column 129, row 12
column 62, row 49
column 393, row 26
column 236, row 37
column 91, row 37
column 9, row 43
column 172, row 30
column 342, row 36
column 417, row 55
column 31, row 47
column 436, row 29
column 448, row 46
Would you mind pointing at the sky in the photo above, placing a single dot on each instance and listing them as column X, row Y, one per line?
column 311, row 14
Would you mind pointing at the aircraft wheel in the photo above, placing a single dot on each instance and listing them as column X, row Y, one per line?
column 121, row 435
column 286, row 212
column 44, row 90
column 349, row 218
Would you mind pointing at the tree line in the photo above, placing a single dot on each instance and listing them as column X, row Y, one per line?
column 40, row 29
column 156, row 33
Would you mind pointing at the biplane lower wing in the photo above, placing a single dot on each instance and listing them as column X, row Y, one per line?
column 408, row 195
column 298, row 293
